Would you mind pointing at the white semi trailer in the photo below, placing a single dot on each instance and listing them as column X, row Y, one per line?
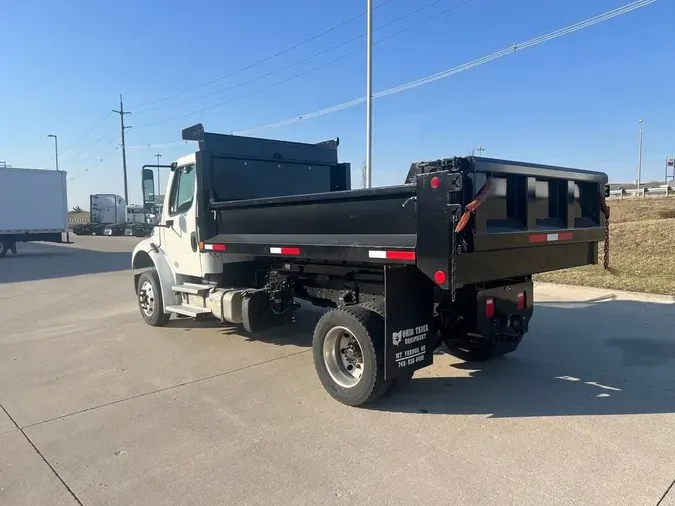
column 105, row 209
column 33, row 207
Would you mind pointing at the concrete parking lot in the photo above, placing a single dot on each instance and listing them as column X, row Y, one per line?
column 98, row 408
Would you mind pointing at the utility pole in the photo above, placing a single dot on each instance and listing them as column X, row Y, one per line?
column 369, row 95
column 123, row 113
column 159, row 188
column 639, row 175
column 480, row 150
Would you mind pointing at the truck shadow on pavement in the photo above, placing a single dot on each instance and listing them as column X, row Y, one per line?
column 598, row 357
column 46, row 261
column 297, row 334
column 583, row 358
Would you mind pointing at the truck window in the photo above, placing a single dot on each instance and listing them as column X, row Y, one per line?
column 182, row 191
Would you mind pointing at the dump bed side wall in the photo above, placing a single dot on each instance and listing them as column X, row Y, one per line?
column 245, row 169
column 358, row 212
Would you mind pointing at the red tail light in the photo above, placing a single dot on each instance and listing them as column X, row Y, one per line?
column 489, row 307
column 520, row 301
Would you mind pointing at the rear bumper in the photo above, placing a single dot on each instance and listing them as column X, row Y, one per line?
column 483, row 266
column 506, row 328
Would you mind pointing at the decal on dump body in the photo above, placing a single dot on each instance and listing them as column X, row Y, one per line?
column 409, row 331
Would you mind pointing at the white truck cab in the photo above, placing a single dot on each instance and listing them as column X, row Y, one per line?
column 134, row 213
column 173, row 249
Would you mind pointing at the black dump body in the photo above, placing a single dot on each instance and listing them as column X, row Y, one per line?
column 535, row 218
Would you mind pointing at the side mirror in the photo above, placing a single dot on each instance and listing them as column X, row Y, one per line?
column 606, row 190
column 148, row 186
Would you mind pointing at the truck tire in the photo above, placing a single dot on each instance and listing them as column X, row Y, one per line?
column 348, row 350
column 150, row 301
column 4, row 247
column 399, row 383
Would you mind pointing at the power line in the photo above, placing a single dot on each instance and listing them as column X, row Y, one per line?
column 103, row 148
column 78, row 140
column 309, row 71
column 461, row 68
column 82, row 173
column 311, row 57
column 266, row 59
column 86, row 134
column 86, row 171
column 89, row 146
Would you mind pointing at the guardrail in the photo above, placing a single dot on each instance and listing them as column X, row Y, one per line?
column 642, row 193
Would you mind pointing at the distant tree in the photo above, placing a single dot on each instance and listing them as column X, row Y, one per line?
column 77, row 209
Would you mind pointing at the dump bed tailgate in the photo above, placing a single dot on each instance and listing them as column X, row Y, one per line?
column 530, row 205
column 518, row 219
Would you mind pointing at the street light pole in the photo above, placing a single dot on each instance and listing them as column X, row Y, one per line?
column 159, row 188
column 641, row 122
column 369, row 95
column 56, row 149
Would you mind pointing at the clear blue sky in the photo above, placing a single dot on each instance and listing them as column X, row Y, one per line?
column 572, row 101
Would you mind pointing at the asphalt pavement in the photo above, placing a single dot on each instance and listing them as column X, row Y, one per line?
column 98, row 408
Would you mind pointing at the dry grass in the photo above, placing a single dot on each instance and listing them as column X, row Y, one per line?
column 639, row 209
column 642, row 255
column 84, row 215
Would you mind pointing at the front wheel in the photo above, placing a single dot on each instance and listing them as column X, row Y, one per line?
column 4, row 246
column 349, row 354
column 150, row 300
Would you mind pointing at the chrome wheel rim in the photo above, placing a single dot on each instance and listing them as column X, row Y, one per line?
column 343, row 357
column 146, row 298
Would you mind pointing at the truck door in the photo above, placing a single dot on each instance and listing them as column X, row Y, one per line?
column 179, row 236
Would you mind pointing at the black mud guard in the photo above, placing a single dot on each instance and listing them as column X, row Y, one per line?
column 409, row 333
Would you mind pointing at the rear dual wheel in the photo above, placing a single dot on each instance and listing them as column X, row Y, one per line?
column 348, row 350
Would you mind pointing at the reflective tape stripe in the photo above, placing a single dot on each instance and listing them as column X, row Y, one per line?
column 215, row 247
column 285, row 251
column 565, row 236
column 392, row 255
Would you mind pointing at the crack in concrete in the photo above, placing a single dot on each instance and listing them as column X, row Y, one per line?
column 665, row 494
column 44, row 459
column 160, row 390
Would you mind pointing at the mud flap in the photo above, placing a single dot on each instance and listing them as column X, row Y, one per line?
column 408, row 328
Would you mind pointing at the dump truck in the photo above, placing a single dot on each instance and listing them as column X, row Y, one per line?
column 252, row 226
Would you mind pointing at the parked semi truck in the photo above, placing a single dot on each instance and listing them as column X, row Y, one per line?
column 33, row 207
column 133, row 223
column 250, row 226
column 105, row 209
